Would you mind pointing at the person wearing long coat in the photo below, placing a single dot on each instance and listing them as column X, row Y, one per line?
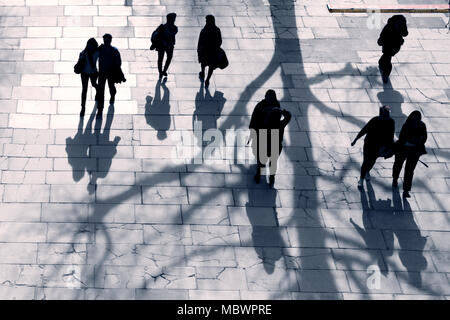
column 208, row 47
column 409, row 147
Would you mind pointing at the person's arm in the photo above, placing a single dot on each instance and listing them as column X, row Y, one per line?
column 363, row 131
column 118, row 58
column 424, row 134
column 219, row 37
column 286, row 118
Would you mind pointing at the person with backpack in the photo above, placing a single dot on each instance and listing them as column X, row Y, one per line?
column 163, row 40
column 409, row 147
column 378, row 142
column 266, row 133
column 109, row 62
column 208, row 48
column 391, row 40
column 87, row 68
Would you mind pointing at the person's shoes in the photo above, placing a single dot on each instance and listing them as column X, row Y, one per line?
column 99, row 114
column 406, row 194
column 160, row 75
column 164, row 73
column 206, row 83
column 394, row 183
column 272, row 179
column 367, row 176
column 112, row 100
column 385, row 79
column 360, row 183
column 257, row 178
column 201, row 75
column 83, row 110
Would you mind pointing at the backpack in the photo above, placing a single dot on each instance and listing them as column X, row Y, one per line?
column 156, row 37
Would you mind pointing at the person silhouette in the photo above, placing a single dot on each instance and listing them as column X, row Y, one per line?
column 208, row 47
column 409, row 147
column 391, row 40
column 89, row 57
column 157, row 110
column 165, row 43
column 266, row 127
column 109, row 67
column 378, row 142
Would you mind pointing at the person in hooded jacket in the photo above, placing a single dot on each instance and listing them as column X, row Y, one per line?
column 267, row 127
column 379, row 140
column 409, row 147
column 208, row 47
column 391, row 40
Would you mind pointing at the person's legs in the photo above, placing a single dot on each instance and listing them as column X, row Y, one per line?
column 84, row 88
column 112, row 90
column 202, row 72
column 160, row 61
column 370, row 157
column 169, row 52
column 398, row 164
column 100, row 96
column 385, row 66
column 410, row 165
column 210, row 72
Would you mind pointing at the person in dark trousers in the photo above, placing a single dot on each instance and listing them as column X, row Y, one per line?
column 267, row 126
column 166, row 43
column 89, row 71
column 410, row 146
column 391, row 40
column 208, row 47
column 378, row 142
column 109, row 65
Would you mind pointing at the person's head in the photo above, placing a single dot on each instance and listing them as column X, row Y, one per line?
column 398, row 22
column 171, row 18
column 107, row 39
column 385, row 112
column 271, row 95
column 210, row 20
column 414, row 118
column 91, row 44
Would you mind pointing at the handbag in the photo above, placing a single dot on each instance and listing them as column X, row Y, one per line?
column 222, row 60
column 156, row 38
column 79, row 66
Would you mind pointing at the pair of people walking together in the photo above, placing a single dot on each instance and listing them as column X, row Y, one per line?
column 109, row 71
column 379, row 142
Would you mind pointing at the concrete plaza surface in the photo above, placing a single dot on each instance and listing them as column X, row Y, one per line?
column 112, row 209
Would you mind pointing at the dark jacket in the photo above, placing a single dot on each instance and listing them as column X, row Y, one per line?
column 416, row 136
column 167, row 36
column 379, row 132
column 267, row 115
column 209, row 43
column 109, row 59
column 391, row 37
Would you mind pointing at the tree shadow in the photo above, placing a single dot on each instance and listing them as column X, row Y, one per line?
column 157, row 110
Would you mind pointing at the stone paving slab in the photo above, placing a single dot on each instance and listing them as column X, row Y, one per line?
column 135, row 218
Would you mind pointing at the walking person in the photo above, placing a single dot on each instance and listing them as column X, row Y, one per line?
column 267, row 129
column 208, row 48
column 109, row 69
column 86, row 67
column 163, row 40
column 391, row 40
column 378, row 142
column 409, row 147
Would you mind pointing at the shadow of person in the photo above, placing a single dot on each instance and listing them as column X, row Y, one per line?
column 207, row 112
column 78, row 146
column 106, row 150
column 157, row 110
column 368, row 205
column 262, row 214
column 391, row 97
